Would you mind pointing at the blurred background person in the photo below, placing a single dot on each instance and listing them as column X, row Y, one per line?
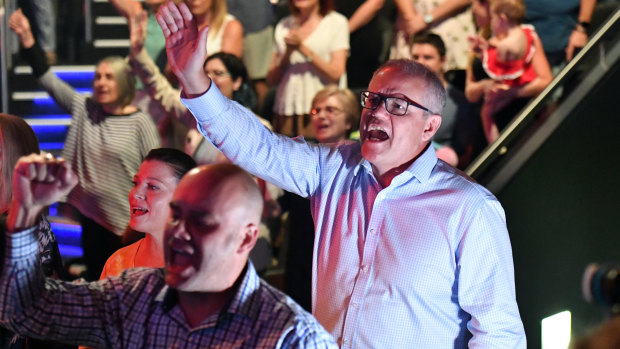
column 563, row 27
column 335, row 114
column 17, row 139
column 369, row 22
column 450, row 19
column 508, row 59
column 501, row 101
column 105, row 145
column 429, row 49
column 42, row 15
column 257, row 18
column 310, row 52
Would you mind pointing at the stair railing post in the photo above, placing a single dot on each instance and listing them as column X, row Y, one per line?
column 88, row 21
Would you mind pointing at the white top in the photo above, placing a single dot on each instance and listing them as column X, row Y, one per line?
column 301, row 80
column 214, row 40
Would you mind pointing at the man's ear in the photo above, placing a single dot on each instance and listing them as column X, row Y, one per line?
column 432, row 124
column 249, row 235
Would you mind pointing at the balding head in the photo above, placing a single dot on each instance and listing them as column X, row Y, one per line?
column 216, row 211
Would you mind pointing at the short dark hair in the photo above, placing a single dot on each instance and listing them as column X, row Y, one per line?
column 180, row 162
column 245, row 95
column 431, row 39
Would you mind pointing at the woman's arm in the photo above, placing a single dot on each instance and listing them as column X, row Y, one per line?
column 579, row 36
column 127, row 8
column 333, row 69
column 364, row 14
column 277, row 66
column 60, row 91
column 155, row 83
column 474, row 90
column 232, row 38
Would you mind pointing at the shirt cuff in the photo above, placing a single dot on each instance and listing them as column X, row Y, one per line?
column 208, row 105
column 23, row 244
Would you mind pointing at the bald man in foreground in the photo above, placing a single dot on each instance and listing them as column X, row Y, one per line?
column 208, row 295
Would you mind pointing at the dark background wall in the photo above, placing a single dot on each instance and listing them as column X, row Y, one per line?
column 563, row 212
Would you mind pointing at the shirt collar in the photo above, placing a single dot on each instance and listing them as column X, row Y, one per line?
column 420, row 169
column 240, row 304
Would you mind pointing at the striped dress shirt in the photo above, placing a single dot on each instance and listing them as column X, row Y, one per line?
column 423, row 263
column 138, row 310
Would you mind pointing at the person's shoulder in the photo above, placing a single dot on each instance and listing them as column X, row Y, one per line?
column 458, row 182
column 337, row 17
column 120, row 260
column 298, row 324
column 139, row 278
column 348, row 152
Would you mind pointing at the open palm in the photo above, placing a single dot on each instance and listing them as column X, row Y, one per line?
column 185, row 45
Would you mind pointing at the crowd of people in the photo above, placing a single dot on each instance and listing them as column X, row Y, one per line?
column 352, row 193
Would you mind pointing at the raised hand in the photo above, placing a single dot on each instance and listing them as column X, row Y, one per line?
column 20, row 25
column 38, row 181
column 186, row 46
column 137, row 31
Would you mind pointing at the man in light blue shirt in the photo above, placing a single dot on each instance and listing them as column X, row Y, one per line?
column 408, row 253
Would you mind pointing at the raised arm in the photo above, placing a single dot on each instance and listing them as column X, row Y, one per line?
column 186, row 47
column 155, row 83
column 62, row 93
column 364, row 14
column 127, row 8
column 38, row 181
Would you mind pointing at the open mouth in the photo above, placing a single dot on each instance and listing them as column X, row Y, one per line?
column 138, row 211
column 180, row 258
column 376, row 134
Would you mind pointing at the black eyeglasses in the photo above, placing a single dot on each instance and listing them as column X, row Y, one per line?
column 393, row 105
column 329, row 109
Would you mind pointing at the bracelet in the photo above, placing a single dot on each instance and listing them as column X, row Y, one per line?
column 310, row 57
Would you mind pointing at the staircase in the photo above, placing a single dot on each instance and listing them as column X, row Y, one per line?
column 101, row 32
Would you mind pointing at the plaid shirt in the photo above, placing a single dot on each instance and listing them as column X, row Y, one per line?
column 138, row 310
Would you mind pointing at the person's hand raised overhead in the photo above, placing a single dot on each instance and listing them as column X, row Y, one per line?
column 186, row 47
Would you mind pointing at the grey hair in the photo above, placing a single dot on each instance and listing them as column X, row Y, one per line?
column 125, row 79
column 435, row 96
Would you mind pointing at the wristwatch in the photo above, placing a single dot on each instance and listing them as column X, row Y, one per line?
column 428, row 18
column 583, row 27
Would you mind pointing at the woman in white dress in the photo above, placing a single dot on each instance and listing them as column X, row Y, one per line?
column 310, row 52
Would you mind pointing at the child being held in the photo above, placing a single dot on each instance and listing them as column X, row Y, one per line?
column 507, row 55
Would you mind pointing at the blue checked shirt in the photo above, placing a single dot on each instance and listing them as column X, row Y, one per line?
column 138, row 310
column 423, row 263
